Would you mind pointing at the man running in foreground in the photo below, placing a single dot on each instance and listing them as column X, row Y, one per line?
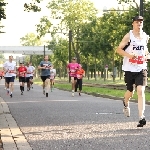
column 133, row 48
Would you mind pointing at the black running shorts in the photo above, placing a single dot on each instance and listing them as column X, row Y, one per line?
column 45, row 77
column 22, row 79
column 137, row 78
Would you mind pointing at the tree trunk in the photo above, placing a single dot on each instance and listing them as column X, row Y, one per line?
column 113, row 66
column 95, row 69
column 88, row 69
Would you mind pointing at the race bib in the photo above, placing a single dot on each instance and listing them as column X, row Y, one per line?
column 11, row 71
column 21, row 74
column 138, row 60
column 79, row 76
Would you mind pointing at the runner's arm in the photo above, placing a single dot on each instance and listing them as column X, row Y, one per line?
column 33, row 70
column 120, row 50
column 15, row 70
column 5, row 70
column 39, row 67
column 68, row 70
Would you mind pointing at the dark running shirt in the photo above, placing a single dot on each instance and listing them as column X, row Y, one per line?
column 46, row 71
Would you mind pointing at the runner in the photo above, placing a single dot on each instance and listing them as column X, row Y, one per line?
column 10, row 71
column 21, row 74
column 29, row 76
column 133, row 48
column 32, row 74
column 80, row 74
column 52, row 77
column 72, row 70
column 44, row 66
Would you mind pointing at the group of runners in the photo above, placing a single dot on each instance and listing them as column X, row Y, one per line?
column 48, row 74
column 76, row 73
column 25, row 74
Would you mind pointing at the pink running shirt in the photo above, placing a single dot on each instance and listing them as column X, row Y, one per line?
column 73, row 69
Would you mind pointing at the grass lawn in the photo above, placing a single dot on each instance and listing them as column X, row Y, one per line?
column 65, row 85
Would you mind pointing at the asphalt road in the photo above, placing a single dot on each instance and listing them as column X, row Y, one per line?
column 63, row 122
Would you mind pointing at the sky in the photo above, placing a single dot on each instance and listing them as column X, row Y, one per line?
column 18, row 22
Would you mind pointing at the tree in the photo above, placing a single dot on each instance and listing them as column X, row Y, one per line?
column 71, row 15
column 2, row 9
column 2, row 12
column 32, row 6
column 31, row 39
column 60, row 57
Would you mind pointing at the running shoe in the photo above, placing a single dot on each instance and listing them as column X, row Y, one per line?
column 126, row 111
column 7, row 92
column 46, row 94
column 142, row 122
column 79, row 94
column 10, row 95
column 21, row 92
column 72, row 94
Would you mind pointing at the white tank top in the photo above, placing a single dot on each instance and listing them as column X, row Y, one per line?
column 137, row 47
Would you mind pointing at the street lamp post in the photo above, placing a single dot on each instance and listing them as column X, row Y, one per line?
column 69, row 55
column 70, row 40
column 44, row 51
column 141, row 8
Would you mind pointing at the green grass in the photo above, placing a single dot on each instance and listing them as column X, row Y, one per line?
column 95, row 90
column 98, row 81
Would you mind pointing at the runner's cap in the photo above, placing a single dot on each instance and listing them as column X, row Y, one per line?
column 136, row 18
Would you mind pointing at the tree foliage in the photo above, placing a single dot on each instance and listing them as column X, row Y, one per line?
column 2, row 9
column 31, row 39
column 33, row 6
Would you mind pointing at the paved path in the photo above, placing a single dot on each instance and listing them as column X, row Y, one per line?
column 62, row 122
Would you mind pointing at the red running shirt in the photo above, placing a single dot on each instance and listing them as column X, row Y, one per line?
column 22, row 71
